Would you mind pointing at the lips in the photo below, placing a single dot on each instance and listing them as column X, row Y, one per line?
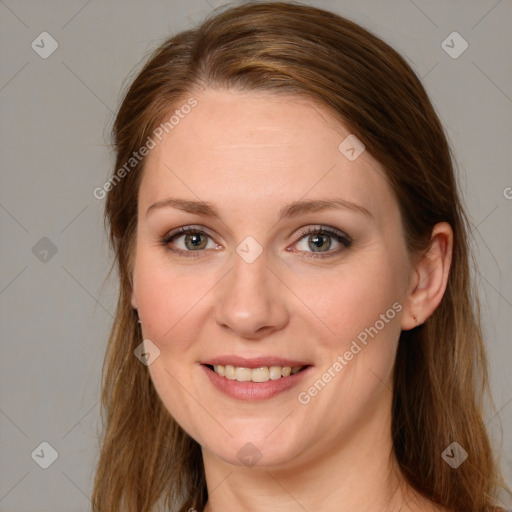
column 256, row 378
column 255, row 362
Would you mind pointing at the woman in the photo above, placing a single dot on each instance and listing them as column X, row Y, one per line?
column 296, row 326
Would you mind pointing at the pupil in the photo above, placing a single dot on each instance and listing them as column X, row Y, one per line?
column 195, row 239
column 321, row 239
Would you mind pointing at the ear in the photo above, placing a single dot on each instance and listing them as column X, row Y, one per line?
column 429, row 277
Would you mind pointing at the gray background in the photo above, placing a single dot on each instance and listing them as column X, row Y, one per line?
column 56, row 309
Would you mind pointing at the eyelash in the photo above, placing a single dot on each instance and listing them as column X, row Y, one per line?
column 341, row 237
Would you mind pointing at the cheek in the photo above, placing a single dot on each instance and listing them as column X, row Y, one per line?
column 170, row 302
column 362, row 312
column 345, row 303
column 173, row 385
column 360, row 309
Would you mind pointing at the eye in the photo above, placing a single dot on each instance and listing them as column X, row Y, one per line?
column 319, row 241
column 316, row 242
column 193, row 241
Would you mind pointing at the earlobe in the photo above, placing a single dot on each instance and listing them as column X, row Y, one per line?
column 431, row 273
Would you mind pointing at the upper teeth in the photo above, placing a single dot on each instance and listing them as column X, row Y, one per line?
column 262, row 374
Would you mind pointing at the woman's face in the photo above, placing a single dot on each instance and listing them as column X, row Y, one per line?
column 256, row 290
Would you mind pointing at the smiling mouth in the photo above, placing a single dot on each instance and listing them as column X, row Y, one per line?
column 261, row 374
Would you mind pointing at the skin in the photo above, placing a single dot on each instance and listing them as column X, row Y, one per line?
column 249, row 154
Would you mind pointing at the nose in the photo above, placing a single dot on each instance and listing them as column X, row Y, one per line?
column 251, row 300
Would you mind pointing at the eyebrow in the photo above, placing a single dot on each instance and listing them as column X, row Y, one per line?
column 289, row 211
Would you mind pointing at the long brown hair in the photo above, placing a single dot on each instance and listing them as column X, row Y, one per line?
column 440, row 377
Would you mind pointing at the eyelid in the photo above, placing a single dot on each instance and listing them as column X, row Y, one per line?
column 184, row 229
column 319, row 228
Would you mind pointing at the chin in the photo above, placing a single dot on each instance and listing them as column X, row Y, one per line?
column 251, row 448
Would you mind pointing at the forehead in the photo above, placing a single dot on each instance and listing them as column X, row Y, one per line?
column 259, row 148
